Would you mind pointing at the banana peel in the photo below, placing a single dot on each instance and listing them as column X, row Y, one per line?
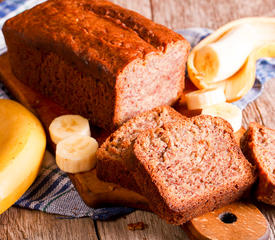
column 22, row 147
column 241, row 82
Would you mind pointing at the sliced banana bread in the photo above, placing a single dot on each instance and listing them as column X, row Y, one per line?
column 190, row 167
column 115, row 154
column 258, row 145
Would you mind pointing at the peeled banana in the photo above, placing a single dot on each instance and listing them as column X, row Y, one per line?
column 22, row 147
column 219, row 60
column 227, row 57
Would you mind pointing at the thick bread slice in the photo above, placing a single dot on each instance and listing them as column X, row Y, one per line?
column 190, row 167
column 258, row 145
column 114, row 157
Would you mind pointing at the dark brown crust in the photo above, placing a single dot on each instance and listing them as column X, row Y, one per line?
column 92, row 43
column 91, row 23
column 166, row 207
column 116, row 171
column 265, row 189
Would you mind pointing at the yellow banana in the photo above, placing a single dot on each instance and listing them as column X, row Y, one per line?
column 22, row 147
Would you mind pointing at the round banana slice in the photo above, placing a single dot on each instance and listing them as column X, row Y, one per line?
column 68, row 125
column 76, row 154
column 203, row 98
column 227, row 111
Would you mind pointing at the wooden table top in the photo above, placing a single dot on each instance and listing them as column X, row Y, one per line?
column 19, row 223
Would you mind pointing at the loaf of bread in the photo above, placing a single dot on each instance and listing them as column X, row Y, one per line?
column 258, row 145
column 97, row 59
column 190, row 167
column 114, row 157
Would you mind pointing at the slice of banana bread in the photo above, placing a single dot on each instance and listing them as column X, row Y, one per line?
column 115, row 154
column 258, row 145
column 190, row 167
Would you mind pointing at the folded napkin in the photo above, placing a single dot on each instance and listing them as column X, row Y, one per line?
column 53, row 191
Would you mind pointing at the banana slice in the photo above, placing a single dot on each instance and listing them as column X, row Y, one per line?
column 227, row 111
column 203, row 98
column 76, row 154
column 68, row 125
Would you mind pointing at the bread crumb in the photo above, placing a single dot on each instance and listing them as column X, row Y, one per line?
column 136, row 226
column 111, row 188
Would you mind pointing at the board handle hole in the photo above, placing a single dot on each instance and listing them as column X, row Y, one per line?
column 228, row 217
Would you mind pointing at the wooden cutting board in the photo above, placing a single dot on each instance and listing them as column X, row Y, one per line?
column 236, row 221
column 93, row 191
column 97, row 193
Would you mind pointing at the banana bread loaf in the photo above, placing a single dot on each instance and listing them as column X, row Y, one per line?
column 258, row 145
column 97, row 59
column 114, row 157
column 190, row 167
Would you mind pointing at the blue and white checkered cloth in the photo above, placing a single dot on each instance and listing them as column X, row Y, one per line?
column 52, row 191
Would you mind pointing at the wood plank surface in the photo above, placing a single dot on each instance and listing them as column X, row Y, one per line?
column 25, row 224
column 178, row 14
column 155, row 228
column 141, row 6
column 262, row 110
column 19, row 224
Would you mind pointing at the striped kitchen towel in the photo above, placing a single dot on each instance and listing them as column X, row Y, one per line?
column 52, row 191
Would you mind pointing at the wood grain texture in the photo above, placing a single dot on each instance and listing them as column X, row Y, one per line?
column 262, row 110
column 178, row 14
column 156, row 229
column 239, row 220
column 17, row 223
